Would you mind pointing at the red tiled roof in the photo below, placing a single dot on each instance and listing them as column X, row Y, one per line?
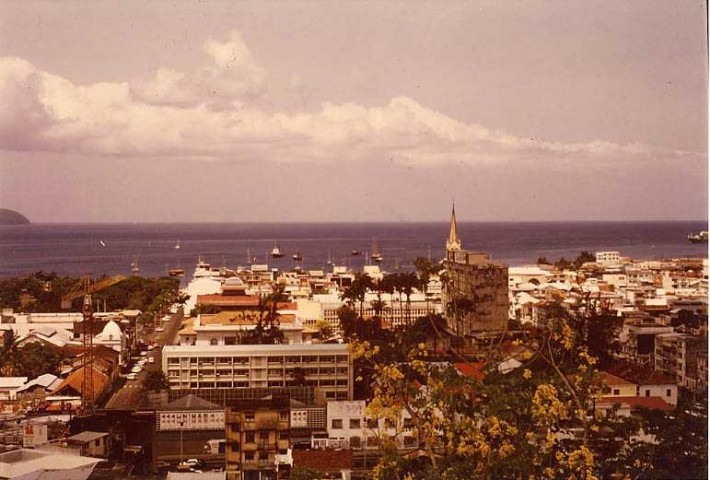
column 229, row 300
column 326, row 459
column 473, row 370
column 653, row 403
column 611, row 379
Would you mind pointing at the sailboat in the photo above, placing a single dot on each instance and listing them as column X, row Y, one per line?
column 297, row 257
column 134, row 267
column 330, row 260
column 376, row 255
column 276, row 252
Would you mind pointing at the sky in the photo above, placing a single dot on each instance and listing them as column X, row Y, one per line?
column 221, row 111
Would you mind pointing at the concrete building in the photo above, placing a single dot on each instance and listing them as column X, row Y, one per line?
column 327, row 366
column 607, row 258
column 676, row 355
column 472, row 276
column 257, row 434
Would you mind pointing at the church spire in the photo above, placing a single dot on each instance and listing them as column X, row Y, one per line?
column 453, row 242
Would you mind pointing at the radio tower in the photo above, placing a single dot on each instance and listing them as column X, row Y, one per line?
column 87, row 383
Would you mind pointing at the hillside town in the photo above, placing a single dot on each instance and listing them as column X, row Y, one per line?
column 254, row 373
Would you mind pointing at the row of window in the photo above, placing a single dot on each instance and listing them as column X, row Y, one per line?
column 371, row 423
column 291, row 359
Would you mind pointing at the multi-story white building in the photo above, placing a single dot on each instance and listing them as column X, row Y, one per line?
column 348, row 427
column 326, row 366
column 607, row 258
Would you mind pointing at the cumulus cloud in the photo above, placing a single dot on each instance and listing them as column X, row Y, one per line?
column 213, row 113
column 231, row 77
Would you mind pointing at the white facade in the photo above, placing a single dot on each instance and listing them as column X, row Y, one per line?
column 607, row 258
column 327, row 366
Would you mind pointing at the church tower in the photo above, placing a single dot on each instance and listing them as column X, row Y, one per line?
column 453, row 243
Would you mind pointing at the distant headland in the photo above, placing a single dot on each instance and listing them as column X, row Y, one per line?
column 11, row 217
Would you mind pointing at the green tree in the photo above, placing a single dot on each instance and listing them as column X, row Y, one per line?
column 8, row 353
column 155, row 381
column 35, row 359
column 583, row 258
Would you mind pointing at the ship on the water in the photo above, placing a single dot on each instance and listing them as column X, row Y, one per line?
column 276, row 252
column 701, row 237
column 376, row 254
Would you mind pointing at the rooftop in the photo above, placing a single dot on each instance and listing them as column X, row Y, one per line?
column 87, row 436
column 305, row 348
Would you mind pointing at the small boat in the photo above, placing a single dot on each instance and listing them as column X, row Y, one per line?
column 355, row 253
column 177, row 245
column 176, row 272
column 276, row 252
column 134, row 267
column 297, row 257
column 102, row 243
column 701, row 237
column 376, row 255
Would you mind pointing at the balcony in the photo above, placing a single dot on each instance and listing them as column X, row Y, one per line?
column 267, row 424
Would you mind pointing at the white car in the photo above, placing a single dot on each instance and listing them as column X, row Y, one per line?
column 132, row 376
column 136, row 369
column 159, row 329
column 144, row 354
column 166, row 318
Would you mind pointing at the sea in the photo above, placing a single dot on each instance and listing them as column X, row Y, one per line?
column 98, row 249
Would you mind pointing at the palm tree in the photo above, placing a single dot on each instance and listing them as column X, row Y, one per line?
column 409, row 283
column 8, row 353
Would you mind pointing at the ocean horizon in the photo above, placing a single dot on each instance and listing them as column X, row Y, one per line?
column 110, row 248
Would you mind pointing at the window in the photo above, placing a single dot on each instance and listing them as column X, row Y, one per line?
column 354, row 423
column 616, row 391
column 230, row 340
column 96, row 443
column 389, row 423
column 214, row 341
column 263, row 455
column 355, row 442
column 283, row 435
column 337, row 423
column 371, row 423
column 283, row 415
column 249, row 456
column 249, row 437
column 248, row 416
column 264, row 436
column 648, row 393
column 668, row 392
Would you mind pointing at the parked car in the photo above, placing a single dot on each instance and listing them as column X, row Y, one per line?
column 159, row 329
column 132, row 376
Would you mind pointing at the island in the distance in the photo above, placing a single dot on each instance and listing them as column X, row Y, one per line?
column 11, row 217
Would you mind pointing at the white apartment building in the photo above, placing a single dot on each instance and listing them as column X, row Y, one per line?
column 327, row 366
column 348, row 427
column 607, row 258
column 224, row 328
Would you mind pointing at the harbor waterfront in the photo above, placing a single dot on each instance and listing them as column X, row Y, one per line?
column 76, row 249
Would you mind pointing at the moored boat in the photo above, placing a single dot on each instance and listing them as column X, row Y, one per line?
column 276, row 252
column 701, row 237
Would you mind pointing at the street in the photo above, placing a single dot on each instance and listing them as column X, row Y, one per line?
column 130, row 396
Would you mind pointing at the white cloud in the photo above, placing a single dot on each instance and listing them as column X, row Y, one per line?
column 213, row 113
